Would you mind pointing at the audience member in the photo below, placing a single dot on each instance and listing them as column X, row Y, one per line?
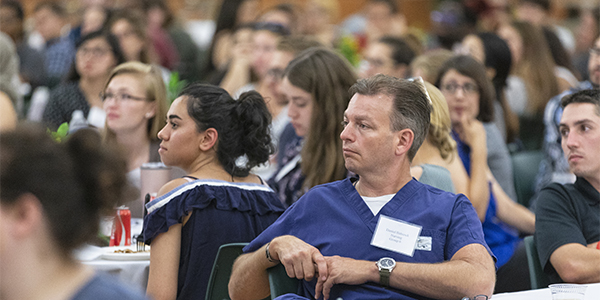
column 52, row 199
column 135, row 101
column 564, row 69
column 50, row 18
column 493, row 52
column 287, row 48
column 232, row 14
column 316, row 85
column 389, row 56
column 219, row 201
column 130, row 28
column 156, row 16
column 437, row 155
column 319, row 19
column 97, row 54
column 384, row 125
column 383, row 19
column 31, row 67
column 586, row 33
column 554, row 166
column 427, row 65
column 160, row 18
column 253, row 59
column 533, row 64
column 538, row 12
column 568, row 220
column 470, row 97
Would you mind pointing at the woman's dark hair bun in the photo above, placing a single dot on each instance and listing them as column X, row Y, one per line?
column 254, row 126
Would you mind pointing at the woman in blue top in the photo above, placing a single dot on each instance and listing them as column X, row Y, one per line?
column 470, row 97
column 216, row 140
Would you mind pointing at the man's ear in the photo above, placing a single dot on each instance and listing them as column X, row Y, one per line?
column 403, row 141
column 26, row 215
column 209, row 139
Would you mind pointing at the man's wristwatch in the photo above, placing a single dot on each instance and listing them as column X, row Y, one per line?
column 385, row 265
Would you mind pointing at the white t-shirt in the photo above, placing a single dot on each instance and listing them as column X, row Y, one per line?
column 376, row 203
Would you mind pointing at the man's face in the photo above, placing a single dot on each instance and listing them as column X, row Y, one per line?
column 368, row 141
column 594, row 63
column 274, row 77
column 580, row 132
column 48, row 24
column 378, row 58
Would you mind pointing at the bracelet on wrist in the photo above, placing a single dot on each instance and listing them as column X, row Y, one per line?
column 598, row 246
column 268, row 254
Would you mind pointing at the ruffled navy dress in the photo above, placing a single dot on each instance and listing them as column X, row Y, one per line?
column 223, row 212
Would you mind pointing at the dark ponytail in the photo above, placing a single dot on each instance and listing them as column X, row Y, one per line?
column 75, row 181
column 252, row 122
column 243, row 126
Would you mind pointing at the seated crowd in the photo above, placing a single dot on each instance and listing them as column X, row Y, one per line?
column 369, row 159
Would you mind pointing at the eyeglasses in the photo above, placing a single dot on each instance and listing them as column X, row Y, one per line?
column 120, row 97
column 594, row 51
column 468, row 88
column 95, row 52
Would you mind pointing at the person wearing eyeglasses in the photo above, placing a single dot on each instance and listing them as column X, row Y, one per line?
column 97, row 54
column 554, row 166
column 470, row 97
column 135, row 102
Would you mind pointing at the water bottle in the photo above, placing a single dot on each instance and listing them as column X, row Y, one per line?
column 78, row 121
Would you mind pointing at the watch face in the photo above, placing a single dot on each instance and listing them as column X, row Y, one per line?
column 387, row 263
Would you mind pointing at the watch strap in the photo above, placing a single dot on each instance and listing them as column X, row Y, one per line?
column 384, row 277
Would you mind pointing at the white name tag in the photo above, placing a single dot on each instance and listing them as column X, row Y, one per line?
column 396, row 235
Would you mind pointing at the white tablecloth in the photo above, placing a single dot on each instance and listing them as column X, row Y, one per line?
column 133, row 273
column 592, row 293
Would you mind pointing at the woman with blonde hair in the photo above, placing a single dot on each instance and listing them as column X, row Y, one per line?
column 135, row 102
column 437, row 155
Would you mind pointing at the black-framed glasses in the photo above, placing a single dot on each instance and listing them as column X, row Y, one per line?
column 467, row 88
column 120, row 97
column 594, row 51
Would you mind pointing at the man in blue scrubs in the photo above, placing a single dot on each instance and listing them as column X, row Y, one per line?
column 382, row 235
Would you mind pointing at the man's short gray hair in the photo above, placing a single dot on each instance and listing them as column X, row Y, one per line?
column 412, row 108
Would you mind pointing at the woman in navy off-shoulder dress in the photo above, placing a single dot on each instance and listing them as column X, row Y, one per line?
column 216, row 140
